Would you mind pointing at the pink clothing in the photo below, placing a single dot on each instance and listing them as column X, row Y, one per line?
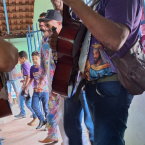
column 142, row 26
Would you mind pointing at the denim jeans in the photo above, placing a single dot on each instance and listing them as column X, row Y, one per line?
column 108, row 103
column 73, row 114
column 28, row 103
column 87, row 116
column 36, row 98
column 1, row 142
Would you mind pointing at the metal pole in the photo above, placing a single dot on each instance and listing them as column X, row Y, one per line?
column 34, row 38
column 38, row 36
column 37, row 31
column 29, row 50
column 6, row 16
column 30, row 39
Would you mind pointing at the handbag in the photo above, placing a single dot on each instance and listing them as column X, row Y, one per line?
column 131, row 69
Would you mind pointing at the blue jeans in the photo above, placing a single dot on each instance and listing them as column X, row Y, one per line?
column 1, row 142
column 109, row 110
column 13, row 83
column 73, row 114
column 87, row 116
column 28, row 103
column 44, row 97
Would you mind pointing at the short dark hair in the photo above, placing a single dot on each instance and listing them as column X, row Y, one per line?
column 42, row 14
column 23, row 54
column 35, row 53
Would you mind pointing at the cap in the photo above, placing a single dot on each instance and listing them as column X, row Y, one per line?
column 51, row 15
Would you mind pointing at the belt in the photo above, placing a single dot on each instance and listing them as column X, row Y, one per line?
column 113, row 77
column 83, row 82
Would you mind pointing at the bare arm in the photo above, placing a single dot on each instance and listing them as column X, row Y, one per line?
column 8, row 56
column 29, row 83
column 100, row 27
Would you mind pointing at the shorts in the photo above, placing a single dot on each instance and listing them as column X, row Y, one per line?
column 14, row 84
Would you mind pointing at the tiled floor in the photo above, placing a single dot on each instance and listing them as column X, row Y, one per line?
column 17, row 132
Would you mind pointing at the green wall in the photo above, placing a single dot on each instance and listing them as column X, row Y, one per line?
column 39, row 7
column 19, row 43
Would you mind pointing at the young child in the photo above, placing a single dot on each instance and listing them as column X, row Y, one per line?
column 25, row 67
column 12, row 80
column 40, row 89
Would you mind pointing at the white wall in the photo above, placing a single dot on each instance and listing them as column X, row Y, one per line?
column 135, row 133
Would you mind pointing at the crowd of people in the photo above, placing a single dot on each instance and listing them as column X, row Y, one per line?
column 103, row 102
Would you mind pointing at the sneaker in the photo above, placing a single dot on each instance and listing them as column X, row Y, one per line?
column 33, row 122
column 41, row 123
column 19, row 116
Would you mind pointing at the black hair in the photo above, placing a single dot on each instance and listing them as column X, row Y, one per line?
column 23, row 54
column 42, row 14
column 35, row 53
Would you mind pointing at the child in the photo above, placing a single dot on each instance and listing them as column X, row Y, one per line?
column 12, row 81
column 25, row 67
column 40, row 89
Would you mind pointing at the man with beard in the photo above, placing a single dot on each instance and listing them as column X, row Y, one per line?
column 100, row 63
column 47, row 67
